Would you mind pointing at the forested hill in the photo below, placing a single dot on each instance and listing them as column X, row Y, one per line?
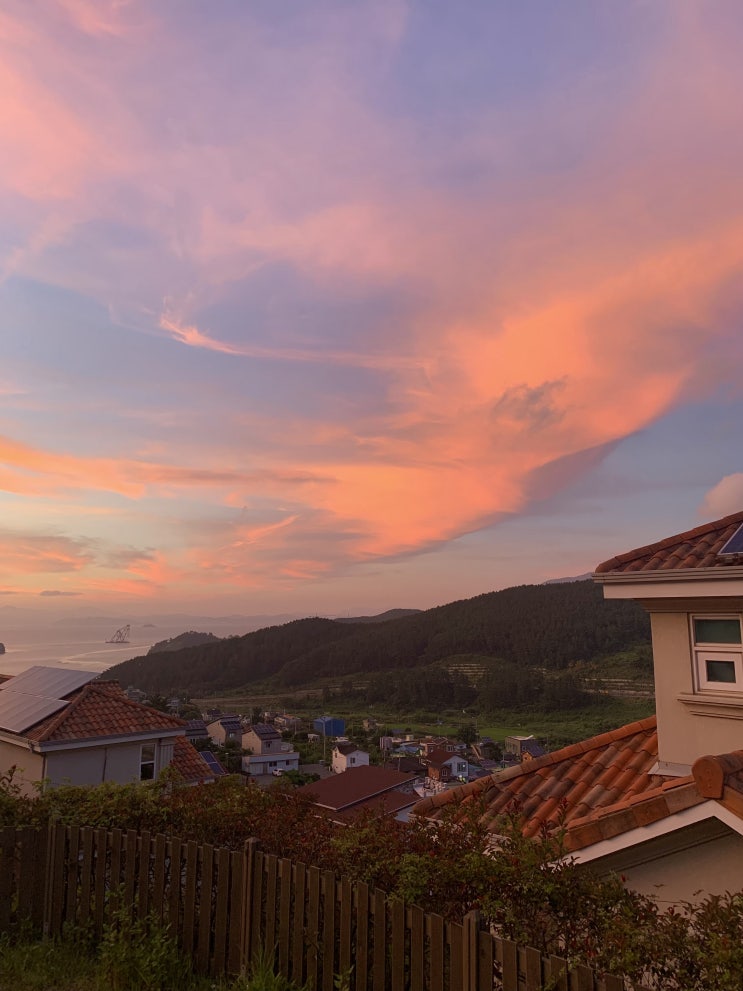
column 547, row 626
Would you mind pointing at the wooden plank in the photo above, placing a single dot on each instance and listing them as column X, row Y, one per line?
column 73, row 853
column 312, row 936
column 455, row 939
column 285, row 906
column 437, row 944
column 116, row 843
column 57, row 880
column 379, row 951
column 298, row 927
column 158, row 877
column 7, row 858
column 270, row 866
column 143, row 874
column 345, row 910
column 175, row 885
column 328, row 930
column 506, row 952
column 256, row 906
column 532, row 968
column 131, row 841
column 361, row 897
column 237, row 880
column 470, row 960
column 205, row 909
column 189, row 898
column 39, row 879
column 101, row 863
column 26, row 839
column 613, row 983
column 397, row 927
column 557, row 973
column 219, row 956
column 416, row 925
column 581, row 978
column 485, row 960
column 86, row 875
column 250, row 848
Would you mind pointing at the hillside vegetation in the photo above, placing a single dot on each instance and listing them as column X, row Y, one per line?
column 549, row 627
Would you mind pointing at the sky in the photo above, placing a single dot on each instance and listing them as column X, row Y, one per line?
column 329, row 307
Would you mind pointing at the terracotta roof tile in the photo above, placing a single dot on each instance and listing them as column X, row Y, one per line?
column 189, row 763
column 101, row 709
column 697, row 548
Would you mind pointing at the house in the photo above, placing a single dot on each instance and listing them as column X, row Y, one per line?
column 430, row 743
column 61, row 726
column 363, row 790
column 346, row 755
column 196, row 730
column 224, row 730
column 444, row 766
column 287, row 722
column 523, row 747
column 268, row 752
column 329, row 726
column 660, row 800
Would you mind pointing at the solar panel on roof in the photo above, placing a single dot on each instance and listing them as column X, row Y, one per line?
column 50, row 683
column 735, row 544
column 19, row 712
column 212, row 761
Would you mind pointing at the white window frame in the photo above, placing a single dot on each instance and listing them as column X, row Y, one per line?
column 703, row 652
column 147, row 762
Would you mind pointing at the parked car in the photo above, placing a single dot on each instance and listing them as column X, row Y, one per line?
column 277, row 772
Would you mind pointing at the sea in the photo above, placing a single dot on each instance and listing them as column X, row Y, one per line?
column 82, row 644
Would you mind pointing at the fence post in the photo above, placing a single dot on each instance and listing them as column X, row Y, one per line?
column 250, row 848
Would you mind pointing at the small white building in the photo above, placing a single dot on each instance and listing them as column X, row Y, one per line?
column 269, row 752
column 347, row 755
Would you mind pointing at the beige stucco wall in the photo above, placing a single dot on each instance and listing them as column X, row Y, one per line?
column 684, row 735
column 685, row 866
column 30, row 766
column 119, row 763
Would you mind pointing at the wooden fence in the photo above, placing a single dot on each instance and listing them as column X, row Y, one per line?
column 224, row 906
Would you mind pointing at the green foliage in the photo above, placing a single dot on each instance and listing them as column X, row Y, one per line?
column 141, row 955
column 545, row 626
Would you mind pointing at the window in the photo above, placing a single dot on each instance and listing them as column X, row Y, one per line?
column 147, row 762
column 351, row 760
column 718, row 653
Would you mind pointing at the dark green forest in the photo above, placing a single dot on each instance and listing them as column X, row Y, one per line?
column 549, row 627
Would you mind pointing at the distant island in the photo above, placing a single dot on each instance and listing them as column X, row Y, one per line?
column 2, row 648
column 188, row 639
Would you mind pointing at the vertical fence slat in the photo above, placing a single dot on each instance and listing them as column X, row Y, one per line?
column 416, row 925
column 312, row 938
column 397, row 926
column 86, row 875
column 328, row 930
column 73, row 860
column 7, row 873
column 612, row 983
column 143, row 874
column 39, row 879
column 175, row 881
column 25, row 879
column 437, row 942
column 131, row 841
column 298, row 928
column 234, row 938
column 101, row 863
column 455, row 939
column 506, row 953
column 57, row 875
column 256, row 905
column 532, row 968
column 219, row 959
column 249, row 851
column 485, row 959
column 158, row 877
column 271, row 868
column 345, row 915
column 189, row 898
column 362, row 937
column 285, row 905
column 558, row 973
column 205, row 908
column 581, row 978
column 379, row 953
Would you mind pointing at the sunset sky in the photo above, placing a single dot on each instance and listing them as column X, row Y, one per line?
column 329, row 307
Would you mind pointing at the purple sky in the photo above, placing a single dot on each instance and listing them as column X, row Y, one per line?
column 330, row 307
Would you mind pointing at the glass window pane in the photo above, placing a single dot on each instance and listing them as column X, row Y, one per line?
column 717, row 630
column 721, row 671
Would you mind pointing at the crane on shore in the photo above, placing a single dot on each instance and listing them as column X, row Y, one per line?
column 121, row 636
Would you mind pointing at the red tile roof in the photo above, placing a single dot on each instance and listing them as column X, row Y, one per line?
column 565, row 786
column 359, row 784
column 189, row 763
column 101, row 709
column 697, row 548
